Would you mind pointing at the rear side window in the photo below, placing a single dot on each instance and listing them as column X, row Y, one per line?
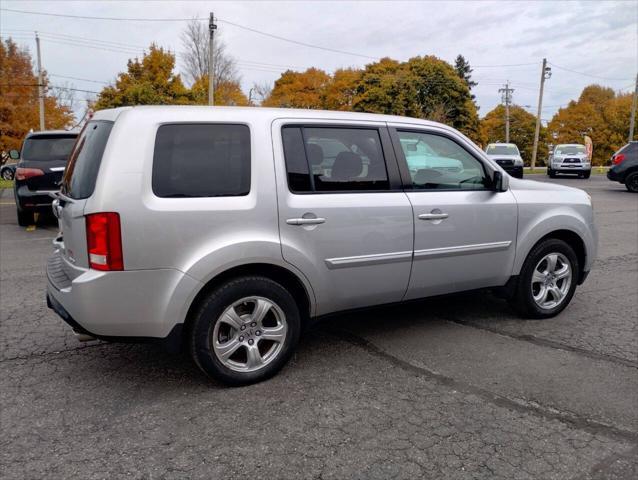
column 201, row 160
column 81, row 173
column 330, row 159
column 46, row 148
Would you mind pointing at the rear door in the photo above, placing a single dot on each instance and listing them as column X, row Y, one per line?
column 344, row 220
column 78, row 185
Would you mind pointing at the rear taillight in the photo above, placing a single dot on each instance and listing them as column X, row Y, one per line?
column 619, row 158
column 26, row 173
column 104, row 241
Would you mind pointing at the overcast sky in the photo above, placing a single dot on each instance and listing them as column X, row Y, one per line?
column 502, row 40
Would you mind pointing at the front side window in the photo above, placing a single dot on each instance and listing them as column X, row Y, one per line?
column 201, row 160
column 437, row 163
column 330, row 159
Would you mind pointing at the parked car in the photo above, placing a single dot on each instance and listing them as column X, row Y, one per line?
column 229, row 228
column 7, row 172
column 570, row 158
column 507, row 156
column 39, row 170
column 624, row 166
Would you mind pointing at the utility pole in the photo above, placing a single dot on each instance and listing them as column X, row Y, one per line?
column 211, row 59
column 40, row 82
column 507, row 99
column 633, row 111
column 546, row 72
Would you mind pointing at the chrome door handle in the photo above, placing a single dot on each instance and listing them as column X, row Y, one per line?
column 305, row 221
column 433, row 216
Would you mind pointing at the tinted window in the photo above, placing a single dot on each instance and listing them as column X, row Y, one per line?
column 201, row 160
column 43, row 148
column 436, row 162
column 325, row 159
column 81, row 173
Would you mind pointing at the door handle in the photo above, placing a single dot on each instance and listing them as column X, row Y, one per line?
column 305, row 221
column 433, row 216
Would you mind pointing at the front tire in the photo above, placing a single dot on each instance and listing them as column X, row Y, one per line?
column 551, row 173
column 547, row 281
column 245, row 330
column 587, row 174
column 631, row 182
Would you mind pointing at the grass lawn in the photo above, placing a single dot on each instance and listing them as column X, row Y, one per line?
column 6, row 183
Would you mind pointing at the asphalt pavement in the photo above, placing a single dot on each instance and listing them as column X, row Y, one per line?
column 456, row 387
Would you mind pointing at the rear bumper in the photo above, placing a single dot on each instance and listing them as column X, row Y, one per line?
column 127, row 306
column 26, row 198
column 613, row 176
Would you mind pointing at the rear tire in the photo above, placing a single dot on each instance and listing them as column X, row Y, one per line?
column 25, row 218
column 631, row 182
column 245, row 330
column 547, row 281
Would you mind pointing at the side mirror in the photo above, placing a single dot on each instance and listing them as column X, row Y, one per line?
column 500, row 182
column 14, row 154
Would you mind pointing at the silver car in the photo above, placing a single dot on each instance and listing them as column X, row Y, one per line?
column 507, row 156
column 570, row 158
column 227, row 229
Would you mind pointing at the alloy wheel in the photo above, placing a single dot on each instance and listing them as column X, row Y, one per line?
column 551, row 280
column 249, row 334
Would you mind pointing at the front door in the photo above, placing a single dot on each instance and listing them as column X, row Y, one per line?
column 464, row 232
column 344, row 221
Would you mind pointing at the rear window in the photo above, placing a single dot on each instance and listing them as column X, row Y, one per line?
column 47, row 148
column 81, row 173
column 201, row 160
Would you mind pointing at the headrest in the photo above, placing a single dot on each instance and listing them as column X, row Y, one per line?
column 347, row 166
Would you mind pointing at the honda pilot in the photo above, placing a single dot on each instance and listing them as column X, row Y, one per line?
column 226, row 230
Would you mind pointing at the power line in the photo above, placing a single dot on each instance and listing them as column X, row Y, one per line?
column 79, row 79
column 237, row 25
column 588, row 74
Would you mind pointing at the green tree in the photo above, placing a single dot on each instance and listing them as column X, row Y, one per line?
column 464, row 71
column 522, row 127
column 149, row 81
column 19, row 106
column 423, row 87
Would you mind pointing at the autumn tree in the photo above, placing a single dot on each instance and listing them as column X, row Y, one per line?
column 599, row 113
column 226, row 93
column 340, row 92
column 522, row 127
column 19, row 106
column 299, row 89
column 149, row 81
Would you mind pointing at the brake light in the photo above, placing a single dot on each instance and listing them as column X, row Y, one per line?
column 104, row 241
column 26, row 173
column 619, row 158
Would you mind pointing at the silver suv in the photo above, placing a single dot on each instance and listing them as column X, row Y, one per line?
column 227, row 229
column 570, row 158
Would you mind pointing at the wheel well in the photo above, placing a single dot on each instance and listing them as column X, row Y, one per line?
column 279, row 274
column 573, row 240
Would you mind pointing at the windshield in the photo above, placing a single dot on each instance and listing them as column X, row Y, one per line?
column 46, row 148
column 502, row 150
column 569, row 149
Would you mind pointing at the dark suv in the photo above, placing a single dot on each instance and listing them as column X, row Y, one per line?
column 624, row 167
column 39, row 171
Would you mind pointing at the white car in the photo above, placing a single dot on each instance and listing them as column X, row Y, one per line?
column 507, row 156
